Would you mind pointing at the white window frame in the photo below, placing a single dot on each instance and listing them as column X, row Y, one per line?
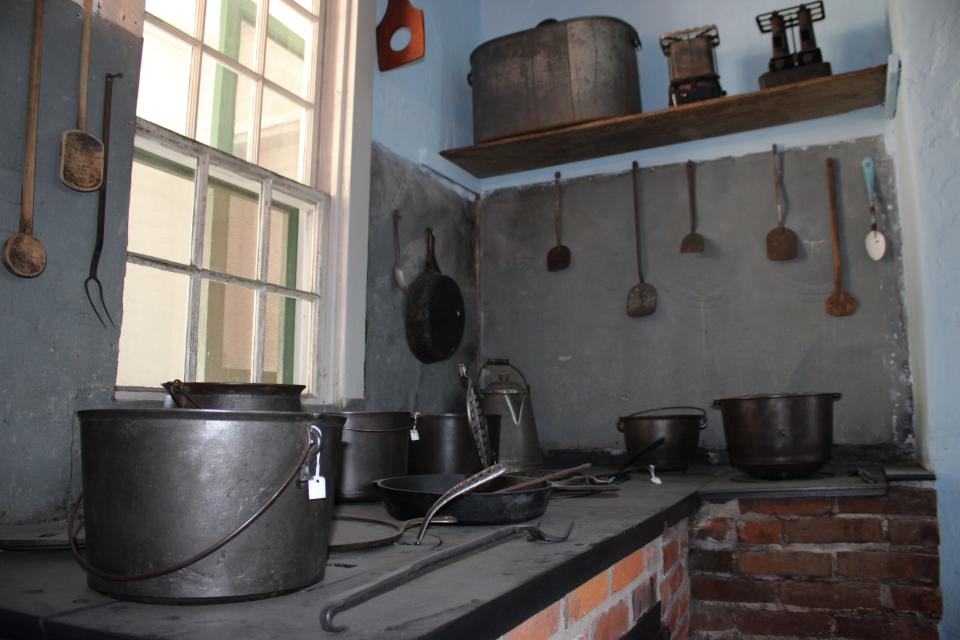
column 341, row 173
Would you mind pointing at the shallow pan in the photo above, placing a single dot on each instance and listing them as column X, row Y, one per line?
column 407, row 497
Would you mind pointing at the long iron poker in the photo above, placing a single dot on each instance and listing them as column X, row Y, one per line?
column 415, row 569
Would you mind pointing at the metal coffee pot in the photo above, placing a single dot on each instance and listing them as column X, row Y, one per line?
column 515, row 439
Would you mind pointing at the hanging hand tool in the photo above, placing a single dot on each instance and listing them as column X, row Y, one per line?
column 82, row 161
column 92, row 275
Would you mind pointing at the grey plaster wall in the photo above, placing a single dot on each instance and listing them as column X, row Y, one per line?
column 395, row 379
column 728, row 323
column 55, row 357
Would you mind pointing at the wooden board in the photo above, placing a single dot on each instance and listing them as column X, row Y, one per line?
column 731, row 114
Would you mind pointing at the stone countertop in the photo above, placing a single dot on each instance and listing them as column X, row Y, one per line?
column 43, row 594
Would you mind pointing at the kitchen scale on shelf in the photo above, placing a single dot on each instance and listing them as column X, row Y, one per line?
column 801, row 61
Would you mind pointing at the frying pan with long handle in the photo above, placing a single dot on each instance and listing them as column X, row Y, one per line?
column 435, row 313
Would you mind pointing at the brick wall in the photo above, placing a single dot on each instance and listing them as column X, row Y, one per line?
column 853, row 568
column 610, row 603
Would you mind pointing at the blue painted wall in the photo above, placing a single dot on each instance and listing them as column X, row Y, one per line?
column 925, row 35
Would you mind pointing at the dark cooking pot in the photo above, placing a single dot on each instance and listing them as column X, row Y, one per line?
column 374, row 446
column 779, row 436
column 163, row 485
column 680, row 432
column 445, row 445
column 240, row 396
column 435, row 315
column 408, row 497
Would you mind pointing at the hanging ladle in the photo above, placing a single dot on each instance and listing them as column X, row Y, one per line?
column 875, row 242
column 693, row 241
column 81, row 152
column 642, row 298
column 840, row 303
column 558, row 258
column 781, row 241
column 24, row 255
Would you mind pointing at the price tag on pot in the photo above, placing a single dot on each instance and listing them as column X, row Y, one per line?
column 414, row 434
column 317, row 488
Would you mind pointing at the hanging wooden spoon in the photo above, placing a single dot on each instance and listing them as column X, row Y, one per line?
column 840, row 303
column 24, row 255
column 781, row 241
column 875, row 243
column 81, row 152
column 693, row 241
column 558, row 258
column 642, row 298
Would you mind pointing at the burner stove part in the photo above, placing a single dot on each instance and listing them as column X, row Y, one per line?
column 785, row 66
column 693, row 64
column 818, row 475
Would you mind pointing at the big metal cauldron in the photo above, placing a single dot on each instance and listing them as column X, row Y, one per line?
column 163, row 485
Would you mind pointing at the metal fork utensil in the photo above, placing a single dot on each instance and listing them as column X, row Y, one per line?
column 415, row 569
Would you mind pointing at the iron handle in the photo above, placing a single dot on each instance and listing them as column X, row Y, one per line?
column 703, row 424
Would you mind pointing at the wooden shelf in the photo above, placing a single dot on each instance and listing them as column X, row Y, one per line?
column 731, row 114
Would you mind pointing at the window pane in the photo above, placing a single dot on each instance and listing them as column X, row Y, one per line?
column 164, row 79
column 290, row 262
column 286, row 348
column 229, row 28
column 283, row 128
column 231, row 230
column 289, row 45
column 225, row 108
column 182, row 13
column 225, row 353
column 161, row 203
column 153, row 336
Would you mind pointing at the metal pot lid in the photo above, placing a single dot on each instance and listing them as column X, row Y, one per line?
column 552, row 23
column 505, row 386
column 240, row 388
column 774, row 396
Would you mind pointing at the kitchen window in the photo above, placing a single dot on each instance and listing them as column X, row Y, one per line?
column 236, row 233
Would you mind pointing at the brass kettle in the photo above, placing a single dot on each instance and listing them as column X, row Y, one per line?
column 515, row 439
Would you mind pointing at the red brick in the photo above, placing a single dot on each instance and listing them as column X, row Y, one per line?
column 683, row 633
column 881, row 564
column 760, row 531
column 886, row 628
column 786, row 563
column 734, row 590
column 644, row 597
column 612, row 623
column 834, row 530
column 787, row 506
column 833, row 595
column 781, row 623
column 914, row 533
column 714, row 561
column 627, row 570
column 716, row 529
column 671, row 550
column 540, row 627
column 920, row 599
column 707, row 617
column 584, row 598
column 670, row 585
column 898, row 501
column 678, row 612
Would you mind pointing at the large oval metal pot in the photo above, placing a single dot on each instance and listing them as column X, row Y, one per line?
column 680, row 433
column 435, row 314
column 162, row 485
column 778, row 436
column 374, row 447
column 233, row 396
column 445, row 445
column 410, row 497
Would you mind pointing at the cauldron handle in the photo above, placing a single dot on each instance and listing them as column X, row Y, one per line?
column 704, row 423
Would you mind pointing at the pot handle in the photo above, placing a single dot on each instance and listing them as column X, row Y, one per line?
column 500, row 362
column 703, row 417
column 836, row 396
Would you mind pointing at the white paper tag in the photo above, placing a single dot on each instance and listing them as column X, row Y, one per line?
column 414, row 435
column 317, row 488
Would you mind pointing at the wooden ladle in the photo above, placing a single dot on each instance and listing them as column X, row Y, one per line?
column 840, row 303
column 81, row 152
column 558, row 258
column 24, row 255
